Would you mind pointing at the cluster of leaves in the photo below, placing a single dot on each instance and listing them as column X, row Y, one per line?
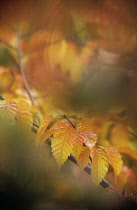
column 85, row 50
column 67, row 139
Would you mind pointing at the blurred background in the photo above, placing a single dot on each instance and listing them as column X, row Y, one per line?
column 76, row 58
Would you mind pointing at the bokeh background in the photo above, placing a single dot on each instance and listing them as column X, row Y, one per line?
column 79, row 59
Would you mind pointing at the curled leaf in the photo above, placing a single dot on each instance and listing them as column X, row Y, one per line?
column 43, row 126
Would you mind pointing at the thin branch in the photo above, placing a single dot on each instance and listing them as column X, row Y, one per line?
column 69, row 121
column 8, row 45
column 20, row 56
column 88, row 170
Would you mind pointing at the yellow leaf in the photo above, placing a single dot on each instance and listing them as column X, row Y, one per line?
column 45, row 136
column 99, row 165
column 17, row 113
column 8, row 110
column 63, row 142
column 83, row 158
column 78, row 147
column 24, row 118
column 114, row 159
column 89, row 139
column 43, row 126
column 84, row 123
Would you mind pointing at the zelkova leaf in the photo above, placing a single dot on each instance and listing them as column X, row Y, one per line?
column 114, row 159
column 78, row 147
column 99, row 165
column 9, row 110
column 19, row 113
column 84, row 123
column 83, row 158
column 88, row 139
column 62, row 142
column 91, row 140
column 43, row 126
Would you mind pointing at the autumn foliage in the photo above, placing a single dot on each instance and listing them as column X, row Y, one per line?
column 68, row 102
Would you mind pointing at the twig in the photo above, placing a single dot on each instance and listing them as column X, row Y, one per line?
column 69, row 121
column 20, row 56
column 88, row 170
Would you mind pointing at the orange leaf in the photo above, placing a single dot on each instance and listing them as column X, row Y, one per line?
column 83, row 158
column 99, row 165
column 114, row 159
column 62, row 142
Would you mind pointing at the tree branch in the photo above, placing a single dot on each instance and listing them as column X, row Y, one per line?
column 69, row 121
column 21, row 68
column 88, row 170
